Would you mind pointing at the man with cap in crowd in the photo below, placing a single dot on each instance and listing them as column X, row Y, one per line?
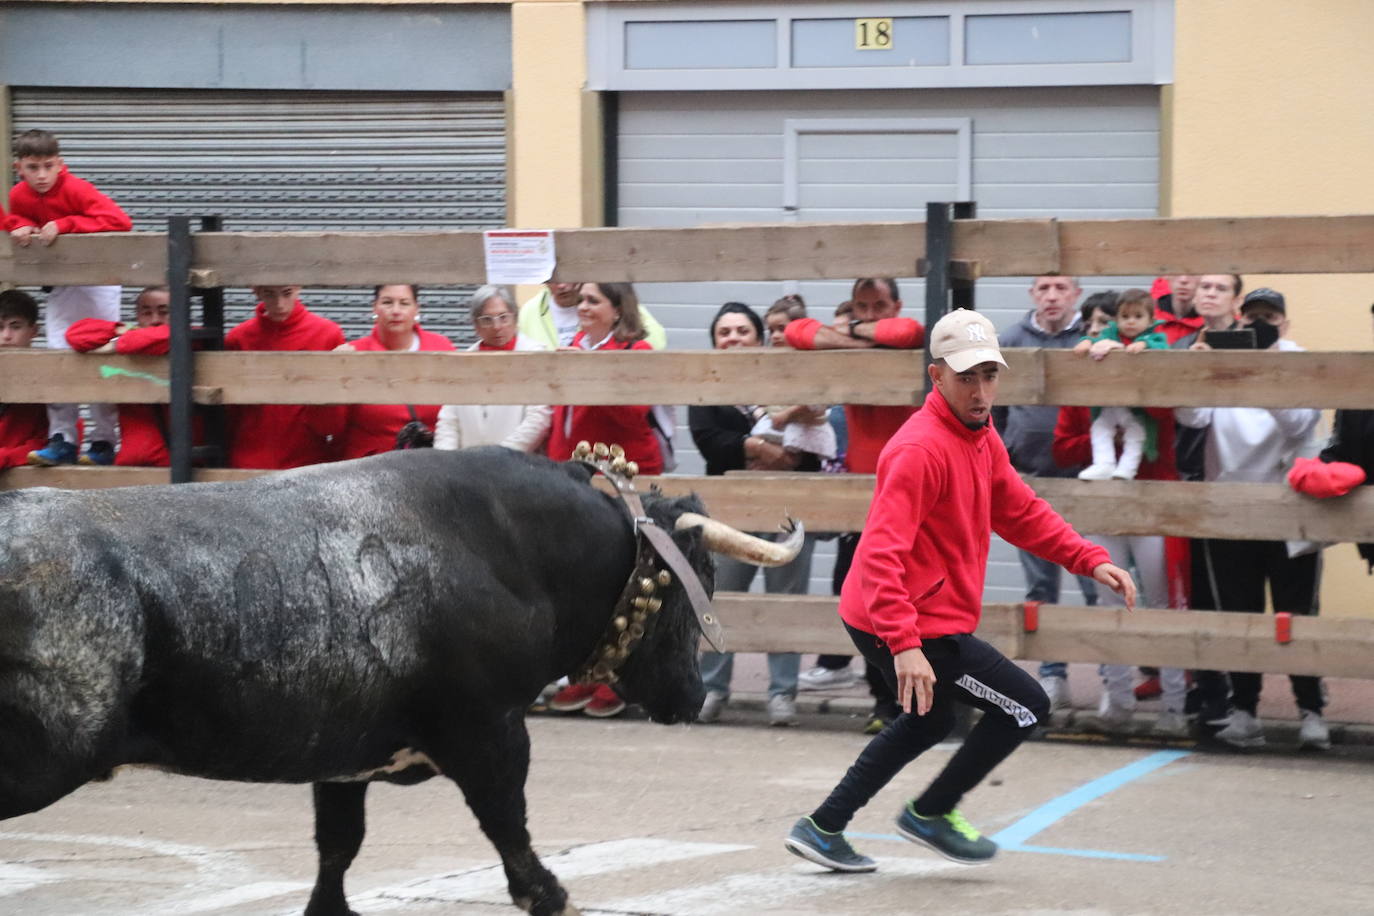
column 914, row 597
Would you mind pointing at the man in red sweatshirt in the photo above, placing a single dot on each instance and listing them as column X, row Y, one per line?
column 914, row 598
column 23, row 427
column 280, row 436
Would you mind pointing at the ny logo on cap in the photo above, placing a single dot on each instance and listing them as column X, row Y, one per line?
column 976, row 334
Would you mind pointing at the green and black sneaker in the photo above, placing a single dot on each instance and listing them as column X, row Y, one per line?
column 948, row 834
column 829, row 849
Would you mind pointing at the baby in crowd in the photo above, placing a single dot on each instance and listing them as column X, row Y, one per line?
column 801, row 428
column 1134, row 328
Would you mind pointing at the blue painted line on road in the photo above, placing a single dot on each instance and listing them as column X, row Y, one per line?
column 1016, row 847
column 1054, row 810
column 1086, row 853
column 1013, row 838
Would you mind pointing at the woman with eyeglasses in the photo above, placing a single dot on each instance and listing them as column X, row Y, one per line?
column 522, row 427
column 370, row 429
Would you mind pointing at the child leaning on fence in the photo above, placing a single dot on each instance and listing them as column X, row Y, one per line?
column 47, row 202
column 1134, row 329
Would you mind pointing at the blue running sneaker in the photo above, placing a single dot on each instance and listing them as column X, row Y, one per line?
column 948, row 834
column 100, row 453
column 57, row 451
column 829, row 849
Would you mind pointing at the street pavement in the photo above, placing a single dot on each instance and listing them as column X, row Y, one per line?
column 638, row 818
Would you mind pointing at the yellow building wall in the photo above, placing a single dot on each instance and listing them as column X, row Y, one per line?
column 1271, row 113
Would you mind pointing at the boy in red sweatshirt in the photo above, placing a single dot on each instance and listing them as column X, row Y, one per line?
column 50, row 201
column 279, row 436
column 143, row 428
column 23, row 427
column 914, row 597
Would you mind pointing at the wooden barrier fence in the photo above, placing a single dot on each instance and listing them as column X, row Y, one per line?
column 1330, row 646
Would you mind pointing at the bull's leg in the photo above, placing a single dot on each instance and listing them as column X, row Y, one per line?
column 490, row 761
column 339, row 827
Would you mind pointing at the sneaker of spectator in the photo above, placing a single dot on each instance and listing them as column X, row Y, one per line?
column 819, row 678
column 1171, row 725
column 99, row 453
column 1148, row 689
column 782, row 710
column 1057, row 689
column 604, row 703
column 1111, row 718
column 1244, row 730
column 1313, row 733
column 712, row 707
column 572, row 698
column 57, row 451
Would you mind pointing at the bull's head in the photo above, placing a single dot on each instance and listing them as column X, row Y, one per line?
column 662, row 673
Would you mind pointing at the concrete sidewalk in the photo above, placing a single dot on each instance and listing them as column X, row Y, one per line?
column 1349, row 711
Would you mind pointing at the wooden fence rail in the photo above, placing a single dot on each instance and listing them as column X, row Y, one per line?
column 1331, row 647
column 789, row 251
column 839, row 502
column 1162, row 379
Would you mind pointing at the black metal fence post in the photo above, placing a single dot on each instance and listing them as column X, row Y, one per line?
column 939, row 244
column 182, row 369
column 210, row 336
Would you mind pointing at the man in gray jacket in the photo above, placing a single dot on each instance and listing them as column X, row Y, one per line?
column 1028, row 432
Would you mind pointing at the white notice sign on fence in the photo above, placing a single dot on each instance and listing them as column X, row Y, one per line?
column 518, row 255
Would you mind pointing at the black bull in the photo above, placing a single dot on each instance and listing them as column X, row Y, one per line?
column 327, row 625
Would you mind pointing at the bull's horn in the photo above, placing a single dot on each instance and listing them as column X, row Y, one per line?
column 732, row 542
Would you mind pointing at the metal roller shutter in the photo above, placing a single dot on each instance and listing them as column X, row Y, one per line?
column 291, row 161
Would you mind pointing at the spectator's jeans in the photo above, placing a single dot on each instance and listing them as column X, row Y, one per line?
column 67, row 305
column 1042, row 584
column 735, row 576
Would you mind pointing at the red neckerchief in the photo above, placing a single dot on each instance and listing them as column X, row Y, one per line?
column 510, row 345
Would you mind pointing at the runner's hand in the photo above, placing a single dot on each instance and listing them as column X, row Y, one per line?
column 1118, row 580
column 914, row 675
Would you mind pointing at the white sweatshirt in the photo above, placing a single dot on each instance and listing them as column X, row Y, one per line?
column 1251, row 444
column 522, row 427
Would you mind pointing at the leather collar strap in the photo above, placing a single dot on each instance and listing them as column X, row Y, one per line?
column 667, row 550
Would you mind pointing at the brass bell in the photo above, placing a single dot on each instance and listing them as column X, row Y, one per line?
column 600, row 450
column 601, row 671
column 617, row 451
column 636, row 630
column 631, row 468
column 620, row 624
column 654, row 605
column 646, row 586
column 626, row 639
column 584, row 448
column 639, row 617
column 665, row 578
column 640, row 602
column 618, row 464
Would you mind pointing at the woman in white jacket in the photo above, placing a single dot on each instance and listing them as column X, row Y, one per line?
column 522, row 427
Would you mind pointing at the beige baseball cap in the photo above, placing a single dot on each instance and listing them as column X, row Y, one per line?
column 963, row 339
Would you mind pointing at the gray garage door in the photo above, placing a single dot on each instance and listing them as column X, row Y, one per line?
column 685, row 159
column 290, row 161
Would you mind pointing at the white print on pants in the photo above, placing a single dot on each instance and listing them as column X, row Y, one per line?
column 1145, row 554
column 66, row 306
column 1023, row 716
column 1132, row 440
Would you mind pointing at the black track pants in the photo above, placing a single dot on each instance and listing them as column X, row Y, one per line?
column 967, row 670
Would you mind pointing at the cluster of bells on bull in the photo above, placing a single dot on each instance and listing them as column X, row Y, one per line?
column 637, row 601
column 626, row 632
column 612, row 455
